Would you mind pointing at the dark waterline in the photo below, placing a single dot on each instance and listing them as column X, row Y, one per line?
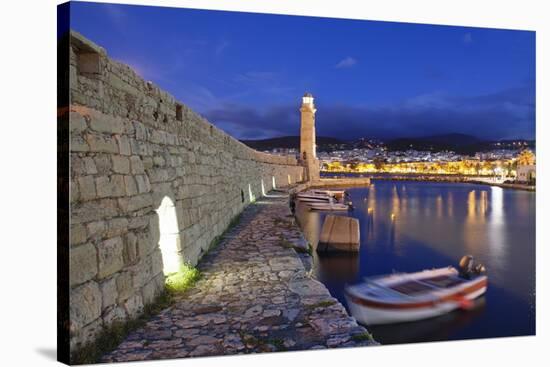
column 434, row 225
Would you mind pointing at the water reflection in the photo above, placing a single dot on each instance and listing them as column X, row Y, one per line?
column 341, row 267
column 429, row 330
column 433, row 225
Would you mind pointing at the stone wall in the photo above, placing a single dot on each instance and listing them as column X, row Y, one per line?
column 133, row 147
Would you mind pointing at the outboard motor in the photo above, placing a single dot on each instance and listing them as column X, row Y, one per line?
column 467, row 269
column 466, row 266
column 350, row 205
column 479, row 269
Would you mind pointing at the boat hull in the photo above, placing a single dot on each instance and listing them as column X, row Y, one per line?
column 329, row 207
column 313, row 200
column 372, row 311
column 318, row 198
column 376, row 316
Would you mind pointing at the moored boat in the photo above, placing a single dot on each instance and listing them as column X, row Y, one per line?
column 337, row 194
column 330, row 206
column 403, row 297
column 310, row 196
column 314, row 200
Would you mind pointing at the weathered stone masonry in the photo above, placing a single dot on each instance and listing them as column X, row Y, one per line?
column 133, row 147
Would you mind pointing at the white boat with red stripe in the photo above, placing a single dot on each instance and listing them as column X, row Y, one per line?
column 404, row 297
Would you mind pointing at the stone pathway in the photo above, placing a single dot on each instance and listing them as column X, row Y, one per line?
column 255, row 295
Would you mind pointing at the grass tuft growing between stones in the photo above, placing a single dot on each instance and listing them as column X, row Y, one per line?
column 321, row 304
column 286, row 244
column 182, row 280
column 277, row 343
column 362, row 337
column 111, row 336
column 175, row 284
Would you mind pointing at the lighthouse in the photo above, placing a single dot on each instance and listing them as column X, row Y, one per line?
column 308, row 154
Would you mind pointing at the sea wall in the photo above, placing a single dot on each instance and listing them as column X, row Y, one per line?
column 152, row 184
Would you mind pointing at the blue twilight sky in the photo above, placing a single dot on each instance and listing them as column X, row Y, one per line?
column 247, row 72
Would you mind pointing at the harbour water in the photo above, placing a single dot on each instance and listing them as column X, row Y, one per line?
column 433, row 225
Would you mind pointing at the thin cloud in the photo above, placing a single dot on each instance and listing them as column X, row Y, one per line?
column 348, row 62
column 220, row 48
column 503, row 115
column 256, row 77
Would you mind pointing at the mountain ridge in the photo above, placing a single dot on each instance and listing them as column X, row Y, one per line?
column 457, row 142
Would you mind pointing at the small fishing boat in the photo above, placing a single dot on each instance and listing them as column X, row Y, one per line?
column 310, row 196
column 329, row 192
column 330, row 206
column 404, row 297
column 313, row 200
column 338, row 194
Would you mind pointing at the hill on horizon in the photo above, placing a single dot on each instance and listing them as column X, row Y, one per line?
column 457, row 142
column 288, row 142
column 453, row 141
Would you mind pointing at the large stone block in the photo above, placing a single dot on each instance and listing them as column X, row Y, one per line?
column 143, row 184
column 145, row 244
column 93, row 210
column 121, row 164
column 117, row 227
column 89, row 166
column 130, row 248
column 108, row 292
column 147, row 162
column 134, row 306
column 77, row 234
column 85, row 305
column 152, row 289
column 83, row 263
column 101, row 143
column 136, row 165
column 87, row 188
column 103, row 164
column 106, row 124
column 135, row 203
column 124, row 286
column 141, row 131
column 154, row 228
column 139, row 148
column 123, row 145
column 77, row 123
column 112, row 186
column 141, row 273
column 114, row 314
column 156, row 262
column 96, row 229
column 78, row 144
column 130, row 186
column 110, row 256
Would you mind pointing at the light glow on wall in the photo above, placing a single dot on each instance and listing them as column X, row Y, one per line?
column 250, row 194
column 169, row 239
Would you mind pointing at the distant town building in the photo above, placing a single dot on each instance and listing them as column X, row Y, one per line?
column 526, row 173
column 526, row 168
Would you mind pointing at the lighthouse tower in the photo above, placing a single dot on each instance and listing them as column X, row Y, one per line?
column 308, row 153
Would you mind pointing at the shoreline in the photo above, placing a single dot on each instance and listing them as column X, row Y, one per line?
column 443, row 178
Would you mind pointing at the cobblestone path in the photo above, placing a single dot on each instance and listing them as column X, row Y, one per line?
column 255, row 295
